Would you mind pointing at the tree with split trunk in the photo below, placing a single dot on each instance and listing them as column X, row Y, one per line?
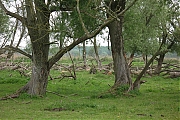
column 37, row 21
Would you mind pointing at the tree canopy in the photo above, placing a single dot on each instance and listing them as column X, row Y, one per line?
column 145, row 23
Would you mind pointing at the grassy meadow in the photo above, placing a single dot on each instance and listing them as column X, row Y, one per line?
column 157, row 99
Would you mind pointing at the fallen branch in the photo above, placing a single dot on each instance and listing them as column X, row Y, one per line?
column 55, row 93
column 10, row 97
column 174, row 75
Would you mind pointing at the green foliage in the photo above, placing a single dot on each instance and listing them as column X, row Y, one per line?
column 67, row 24
column 141, row 27
column 177, row 34
column 4, row 19
column 12, row 81
column 145, row 24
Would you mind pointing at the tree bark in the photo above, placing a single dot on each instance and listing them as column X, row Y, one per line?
column 159, row 65
column 84, row 54
column 96, row 54
column 38, row 29
column 161, row 57
column 38, row 82
column 121, row 68
column 130, row 59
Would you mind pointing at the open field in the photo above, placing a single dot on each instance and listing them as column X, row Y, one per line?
column 157, row 99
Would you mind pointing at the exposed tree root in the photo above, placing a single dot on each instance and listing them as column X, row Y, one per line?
column 123, row 90
column 17, row 93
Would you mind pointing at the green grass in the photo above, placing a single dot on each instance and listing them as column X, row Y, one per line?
column 158, row 99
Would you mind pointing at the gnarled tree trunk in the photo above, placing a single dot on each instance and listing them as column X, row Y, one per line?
column 38, row 28
column 39, row 78
column 121, row 68
column 38, row 82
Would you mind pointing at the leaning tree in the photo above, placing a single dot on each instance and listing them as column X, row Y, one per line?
column 36, row 19
column 152, row 32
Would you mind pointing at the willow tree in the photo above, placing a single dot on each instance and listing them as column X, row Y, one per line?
column 170, row 28
column 142, row 28
column 37, row 21
column 147, row 31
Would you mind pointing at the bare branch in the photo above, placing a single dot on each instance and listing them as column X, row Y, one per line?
column 21, row 36
column 14, row 33
column 18, row 50
column 20, row 18
column 30, row 11
column 111, row 13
